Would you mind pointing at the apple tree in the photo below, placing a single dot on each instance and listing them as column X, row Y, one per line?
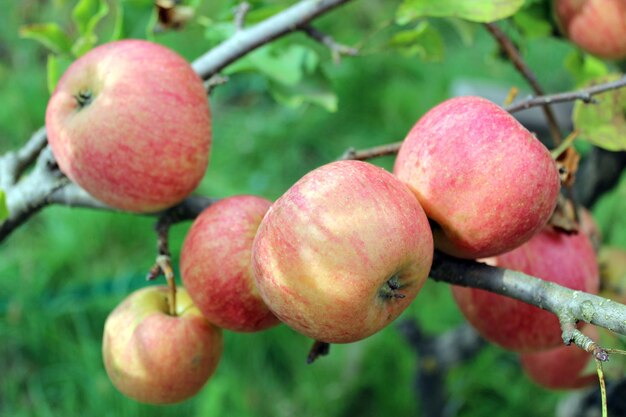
column 304, row 167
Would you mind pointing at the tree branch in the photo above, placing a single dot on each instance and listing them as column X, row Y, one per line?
column 516, row 58
column 246, row 40
column 567, row 304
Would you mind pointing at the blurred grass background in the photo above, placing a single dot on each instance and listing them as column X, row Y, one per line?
column 64, row 271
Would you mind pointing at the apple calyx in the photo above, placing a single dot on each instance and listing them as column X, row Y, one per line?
column 84, row 98
column 390, row 288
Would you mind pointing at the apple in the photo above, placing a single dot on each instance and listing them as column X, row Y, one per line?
column 566, row 259
column 596, row 26
column 484, row 180
column 154, row 357
column 216, row 264
column 563, row 367
column 343, row 252
column 130, row 123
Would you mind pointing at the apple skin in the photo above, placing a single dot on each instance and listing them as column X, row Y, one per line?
column 334, row 255
column 155, row 358
column 486, row 181
column 596, row 26
column 142, row 141
column 561, row 368
column 567, row 260
column 216, row 264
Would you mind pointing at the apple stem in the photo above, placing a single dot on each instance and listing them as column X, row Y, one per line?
column 318, row 349
column 84, row 98
column 165, row 264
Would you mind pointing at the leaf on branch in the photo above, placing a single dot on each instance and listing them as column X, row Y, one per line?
column 422, row 40
column 584, row 67
column 86, row 15
column 49, row 35
column 604, row 123
column 4, row 210
column 56, row 66
column 315, row 89
column 473, row 10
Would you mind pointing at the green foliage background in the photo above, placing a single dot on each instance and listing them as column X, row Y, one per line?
column 64, row 271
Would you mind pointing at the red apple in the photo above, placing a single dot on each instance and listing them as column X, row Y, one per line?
column 568, row 260
column 129, row 122
column 562, row 367
column 343, row 252
column 485, row 180
column 596, row 26
column 157, row 358
column 216, row 264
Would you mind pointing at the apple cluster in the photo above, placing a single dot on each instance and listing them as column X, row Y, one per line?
column 339, row 256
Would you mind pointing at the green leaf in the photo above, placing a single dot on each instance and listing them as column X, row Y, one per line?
column 534, row 22
column 118, row 26
column 87, row 13
column 314, row 89
column 474, row 10
column 584, row 67
column 422, row 40
column 4, row 210
column 604, row 123
column 285, row 66
column 56, row 66
column 50, row 35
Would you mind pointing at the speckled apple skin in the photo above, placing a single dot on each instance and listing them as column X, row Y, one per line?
column 568, row 260
column 216, row 264
column 561, row 368
column 156, row 358
column 487, row 182
column 326, row 249
column 596, row 26
column 142, row 144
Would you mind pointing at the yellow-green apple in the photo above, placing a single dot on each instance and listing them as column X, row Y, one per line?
column 216, row 264
column 157, row 358
column 563, row 367
column 484, row 180
column 343, row 252
column 565, row 259
column 130, row 123
column 612, row 261
column 596, row 26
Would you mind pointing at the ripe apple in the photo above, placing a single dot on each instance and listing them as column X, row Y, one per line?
column 487, row 183
column 157, row 358
column 216, row 264
column 129, row 122
column 562, row 367
column 568, row 260
column 343, row 252
column 596, row 26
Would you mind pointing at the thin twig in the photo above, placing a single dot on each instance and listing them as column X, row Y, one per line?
column 336, row 49
column 516, row 58
column 241, row 11
column 375, row 152
column 585, row 95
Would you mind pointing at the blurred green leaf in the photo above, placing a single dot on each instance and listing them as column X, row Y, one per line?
column 314, row 89
column 285, row 66
column 534, row 22
column 474, row 10
column 56, row 66
column 422, row 40
column 118, row 26
column 584, row 67
column 87, row 13
column 4, row 210
column 48, row 34
column 603, row 123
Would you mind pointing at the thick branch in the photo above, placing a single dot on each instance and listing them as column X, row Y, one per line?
column 246, row 40
column 557, row 299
